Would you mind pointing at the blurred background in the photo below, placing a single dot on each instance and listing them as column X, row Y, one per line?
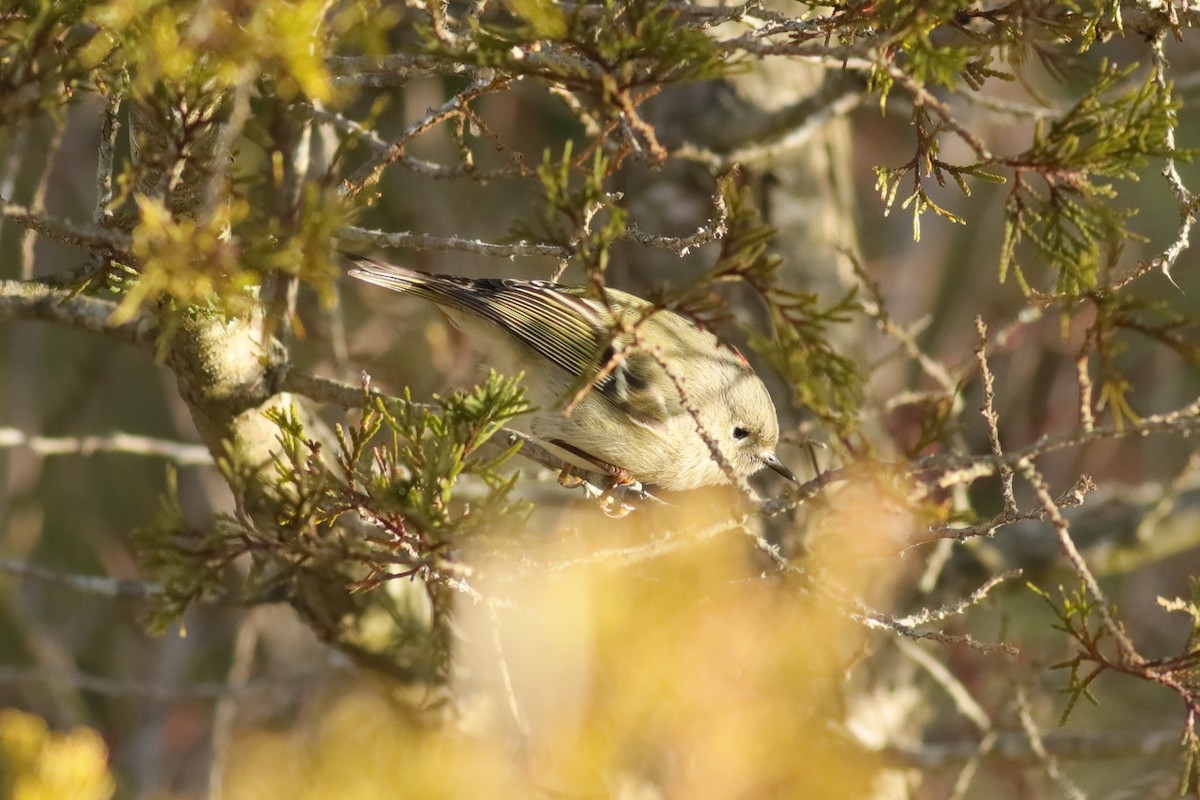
column 616, row 661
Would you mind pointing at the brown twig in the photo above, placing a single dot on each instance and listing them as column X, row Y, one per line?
column 369, row 172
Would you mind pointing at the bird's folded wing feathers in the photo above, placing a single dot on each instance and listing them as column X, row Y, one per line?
column 572, row 331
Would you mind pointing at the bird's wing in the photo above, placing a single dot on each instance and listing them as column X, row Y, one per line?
column 560, row 323
column 576, row 333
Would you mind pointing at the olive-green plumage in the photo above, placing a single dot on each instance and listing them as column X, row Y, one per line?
column 635, row 416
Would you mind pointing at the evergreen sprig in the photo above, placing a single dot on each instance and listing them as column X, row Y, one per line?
column 604, row 48
column 185, row 562
column 1078, row 618
column 578, row 214
column 398, row 470
column 1072, row 220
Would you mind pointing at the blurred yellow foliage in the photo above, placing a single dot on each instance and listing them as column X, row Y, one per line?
column 216, row 45
column 642, row 658
column 191, row 261
column 366, row 747
column 36, row 764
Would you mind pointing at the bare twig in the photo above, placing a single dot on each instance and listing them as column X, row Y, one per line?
column 1189, row 203
column 710, row 441
column 663, row 543
column 98, row 585
column 510, row 693
column 1037, row 744
column 859, row 612
column 32, row 300
column 181, row 453
column 709, row 232
column 1083, row 378
column 771, row 144
column 966, row 705
column 420, row 241
column 963, row 701
column 110, row 125
column 1063, row 529
column 417, row 165
column 882, row 622
column 222, row 157
column 87, row 237
column 39, row 200
column 395, row 69
column 928, row 615
column 1183, row 420
column 369, row 172
column 876, row 309
column 992, row 418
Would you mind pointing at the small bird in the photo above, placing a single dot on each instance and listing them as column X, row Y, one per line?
column 656, row 379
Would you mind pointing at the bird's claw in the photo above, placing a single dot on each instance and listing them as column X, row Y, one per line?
column 570, row 479
column 620, row 498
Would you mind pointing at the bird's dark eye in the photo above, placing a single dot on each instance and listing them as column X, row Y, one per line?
column 740, row 433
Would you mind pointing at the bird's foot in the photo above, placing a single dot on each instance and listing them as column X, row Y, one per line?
column 623, row 492
column 570, row 479
column 621, row 497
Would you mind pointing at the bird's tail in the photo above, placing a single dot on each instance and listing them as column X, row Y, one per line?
column 447, row 291
column 389, row 276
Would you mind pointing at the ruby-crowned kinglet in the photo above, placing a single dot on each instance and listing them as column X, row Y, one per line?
column 667, row 379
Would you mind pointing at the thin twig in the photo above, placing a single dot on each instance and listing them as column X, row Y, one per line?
column 1066, row 787
column 33, row 300
column 988, row 411
column 510, row 693
column 181, row 453
column 97, row 585
column 875, row 308
column 928, row 615
column 1189, row 203
column 859, row 612
column 110, row 126
column 1063, row 528
column 663, row 543
column 419, row 241
column 711, row 231
column 883, row 622
column 958, row 468
column 87, row 237
column 39, row 200
column 773, row 144
column 369, row 172
column 391, row 70
column 231, row 129
column 967, row 706
column 417, row 165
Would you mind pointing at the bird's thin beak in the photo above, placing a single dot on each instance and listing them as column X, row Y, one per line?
column 772, row 461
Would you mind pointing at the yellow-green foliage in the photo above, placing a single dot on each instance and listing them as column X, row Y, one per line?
column 399, row 469
column 217, row 261
column 37, row 764
column 213, row 45
column 191, row 261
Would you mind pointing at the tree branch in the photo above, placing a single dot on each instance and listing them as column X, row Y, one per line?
column 180, row 453
column 86, row 237
column 34, row 300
